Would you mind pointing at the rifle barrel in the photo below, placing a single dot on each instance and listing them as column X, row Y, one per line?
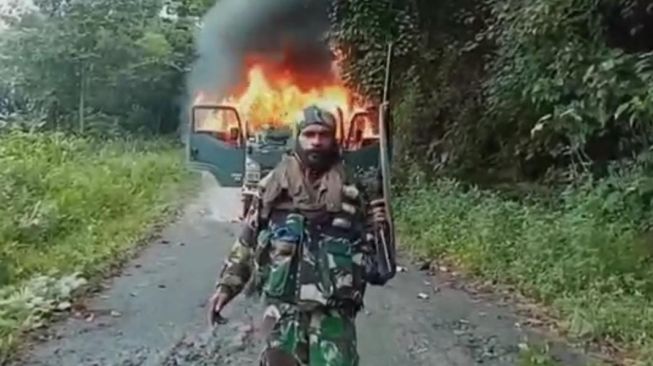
column 388, row 64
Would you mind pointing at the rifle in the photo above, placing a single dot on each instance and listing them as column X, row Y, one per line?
column 384, row 233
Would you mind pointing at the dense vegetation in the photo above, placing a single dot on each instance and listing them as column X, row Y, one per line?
column 508, row 89
column 89, row 105
column 102, row 66
column 528, row 127
column 69, row 203
column 72, row 206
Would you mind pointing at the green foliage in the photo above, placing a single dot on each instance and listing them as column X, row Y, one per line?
column 583, row 255
column 69, row 203
column 556, row 92
column 557, row 79
column 102, row 67
column 106, row 70
column 484, row 84
column 361, row 30
column 29, row 306
column 74, row 205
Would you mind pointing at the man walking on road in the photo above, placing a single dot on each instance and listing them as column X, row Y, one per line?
column 306, row 245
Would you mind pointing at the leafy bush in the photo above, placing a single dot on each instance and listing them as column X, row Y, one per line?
column 583, row 255
column 29, row 305
column 507, row 89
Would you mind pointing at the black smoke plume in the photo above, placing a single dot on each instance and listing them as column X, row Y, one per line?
column 288, row 32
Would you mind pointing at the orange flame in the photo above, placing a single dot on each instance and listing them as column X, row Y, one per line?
column 274, row 96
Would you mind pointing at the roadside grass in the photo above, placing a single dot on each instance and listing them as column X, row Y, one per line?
column 541, row 355
column 583, row 256
column 536, row 356
column 69, row 208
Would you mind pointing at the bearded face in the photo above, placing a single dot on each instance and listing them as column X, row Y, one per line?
column 316, row 146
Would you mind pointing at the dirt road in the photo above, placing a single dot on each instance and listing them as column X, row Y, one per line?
column 154, row 313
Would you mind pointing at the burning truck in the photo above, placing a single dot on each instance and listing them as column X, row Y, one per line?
column 240, row 139
column 259, row 64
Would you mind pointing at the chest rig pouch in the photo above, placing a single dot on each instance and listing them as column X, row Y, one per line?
column 312, row 263
column 281, row 245
column 312, row 241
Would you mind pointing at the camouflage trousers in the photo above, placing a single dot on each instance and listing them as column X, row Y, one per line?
column 311, row 338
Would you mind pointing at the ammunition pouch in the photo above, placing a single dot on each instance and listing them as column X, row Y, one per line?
column 311, row 263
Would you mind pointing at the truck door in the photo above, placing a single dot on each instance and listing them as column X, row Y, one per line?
column 361, row 141
column 216, row 143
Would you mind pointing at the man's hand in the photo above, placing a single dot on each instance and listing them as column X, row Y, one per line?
column 216, row 304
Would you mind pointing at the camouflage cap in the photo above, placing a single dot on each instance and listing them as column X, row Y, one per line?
column 314, row 115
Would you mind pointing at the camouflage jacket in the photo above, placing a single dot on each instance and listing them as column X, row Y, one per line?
column 301, row 243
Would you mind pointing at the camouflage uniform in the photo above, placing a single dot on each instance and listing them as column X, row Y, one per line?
column 303, row 248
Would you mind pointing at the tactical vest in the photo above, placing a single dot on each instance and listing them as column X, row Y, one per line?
column 310, row 253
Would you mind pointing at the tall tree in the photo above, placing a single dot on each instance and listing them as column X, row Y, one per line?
column 103, row 65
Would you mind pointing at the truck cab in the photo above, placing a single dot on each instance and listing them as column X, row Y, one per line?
column 237, row 156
